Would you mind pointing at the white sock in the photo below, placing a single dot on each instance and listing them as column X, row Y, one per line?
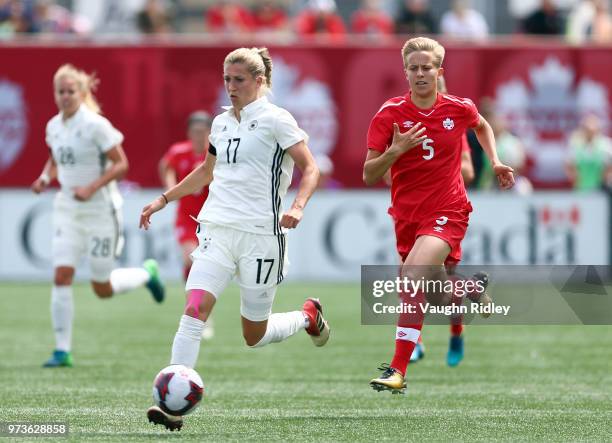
column 126, row 279
column 186, row 345
column 62, row 311
column 281, row 327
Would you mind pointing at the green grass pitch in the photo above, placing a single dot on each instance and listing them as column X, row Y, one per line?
column 517, row 383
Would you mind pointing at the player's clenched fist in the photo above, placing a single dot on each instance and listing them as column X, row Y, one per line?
column 291, row 218
column 409, row 139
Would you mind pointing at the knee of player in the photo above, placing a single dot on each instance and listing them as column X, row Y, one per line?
column 103, row 291
column 196, row 308
column 196, row 312
column 62, row 280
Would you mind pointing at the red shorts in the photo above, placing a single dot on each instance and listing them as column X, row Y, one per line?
column 449, row 225
column 185, row 228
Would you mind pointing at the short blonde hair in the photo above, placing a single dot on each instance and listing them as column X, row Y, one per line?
column 87, row 83
column 257, row 60
column 424, row 44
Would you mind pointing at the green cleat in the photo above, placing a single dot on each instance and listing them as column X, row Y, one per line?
column 59, row 359
column 154, row 284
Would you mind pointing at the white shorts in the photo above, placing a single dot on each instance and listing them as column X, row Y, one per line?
column 259, row 262
column 95, row 234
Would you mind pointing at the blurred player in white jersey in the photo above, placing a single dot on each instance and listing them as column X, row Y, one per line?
column 87, row 158
column 253, row 147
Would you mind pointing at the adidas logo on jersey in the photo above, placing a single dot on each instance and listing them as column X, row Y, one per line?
column 448, row 124
column 408, row 124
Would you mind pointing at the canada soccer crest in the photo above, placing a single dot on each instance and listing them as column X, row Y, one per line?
column 448, row 124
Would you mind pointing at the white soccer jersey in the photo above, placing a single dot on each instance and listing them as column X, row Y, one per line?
column 253, row 170
column 78, row 146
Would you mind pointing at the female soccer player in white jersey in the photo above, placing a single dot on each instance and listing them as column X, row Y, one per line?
column 254, row 145
column 86, row 157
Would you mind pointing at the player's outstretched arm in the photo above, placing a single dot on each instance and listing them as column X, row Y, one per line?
column 486, row 138
column 48, row 173
column 196, row 180
column 377, row 164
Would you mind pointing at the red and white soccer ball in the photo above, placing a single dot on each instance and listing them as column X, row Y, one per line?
column 178, row 390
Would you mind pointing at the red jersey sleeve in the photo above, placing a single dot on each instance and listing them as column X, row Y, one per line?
column 473, row 117
column 170, row 157
column 465, row 145
column 380, row 132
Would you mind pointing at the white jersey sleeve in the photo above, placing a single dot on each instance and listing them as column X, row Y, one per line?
column 104, row 135
column 287, row 131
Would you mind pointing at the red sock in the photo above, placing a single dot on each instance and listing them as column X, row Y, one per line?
column 456, row 321
column 408, row 331
column 456, row 329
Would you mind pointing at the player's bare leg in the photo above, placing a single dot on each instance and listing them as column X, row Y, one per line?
column 187, row 247
column 123, row 280
column 280, row 326
column 424, row 261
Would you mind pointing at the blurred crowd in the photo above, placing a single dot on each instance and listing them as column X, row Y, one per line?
column 576, row 21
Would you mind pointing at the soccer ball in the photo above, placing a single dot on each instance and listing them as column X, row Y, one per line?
column 177, row 390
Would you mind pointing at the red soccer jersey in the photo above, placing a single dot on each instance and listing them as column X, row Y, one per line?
column 428, row 177
column 182, row 158
column 465, row 145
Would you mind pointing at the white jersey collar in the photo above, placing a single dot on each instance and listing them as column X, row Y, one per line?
column 251, row 107
column 73, row 120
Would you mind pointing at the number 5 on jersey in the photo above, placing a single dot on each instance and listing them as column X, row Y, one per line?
column 231, row 157
column 428, row 146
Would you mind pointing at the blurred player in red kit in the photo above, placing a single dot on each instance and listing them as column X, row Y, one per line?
column 429, row 206
column 179, row 161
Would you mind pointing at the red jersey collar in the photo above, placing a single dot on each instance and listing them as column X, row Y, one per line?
column 408, row 99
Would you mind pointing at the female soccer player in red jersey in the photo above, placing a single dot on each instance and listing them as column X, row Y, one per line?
column 455, row 345
column 429, row 206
